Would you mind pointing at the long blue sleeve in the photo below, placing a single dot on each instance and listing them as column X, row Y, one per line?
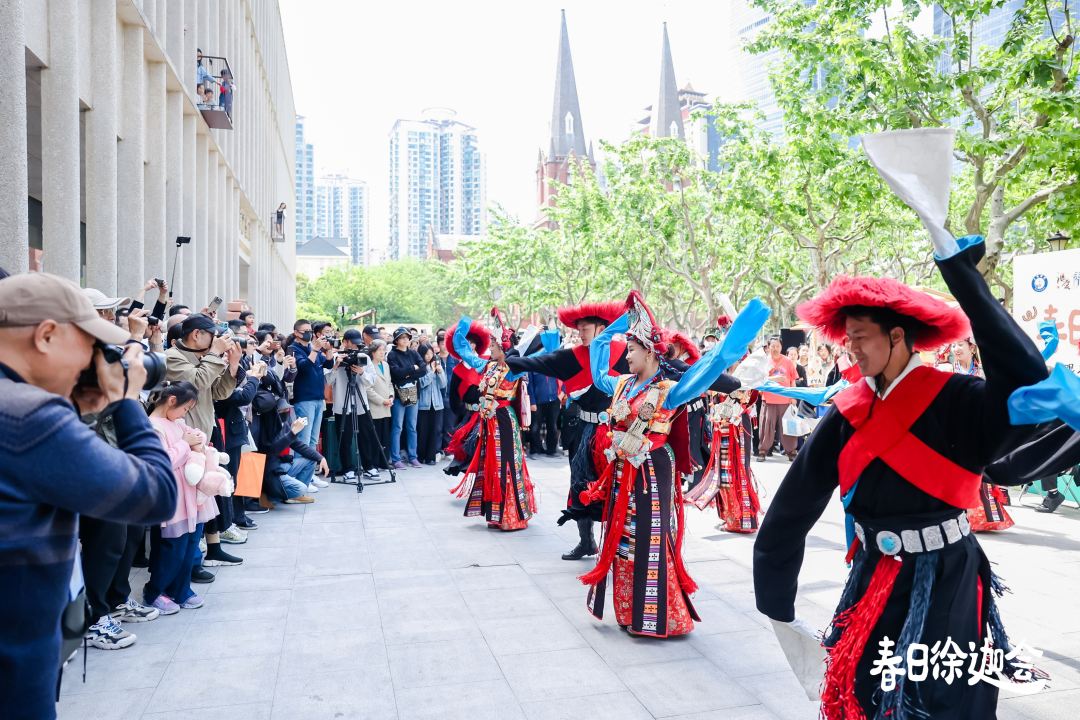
column 701, row 374
column 600, row 355
column 464, row 350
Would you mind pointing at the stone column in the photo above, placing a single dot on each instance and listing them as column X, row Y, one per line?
column 174, row 31
column 174, row 183
column 14, row 223
column 188, row 220
column 130, row 153
column 101, row 151
column 213, row 281
column 201, row 236
column 154, row 225
column 60, row 155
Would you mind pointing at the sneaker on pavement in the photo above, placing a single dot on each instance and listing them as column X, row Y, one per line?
column 416, row 463
column 192, row 603
column 234, row 536
column 351, row 475
column 106, row 634
column 371, row 474
column 312, row 488
column 217, row 557
column 400, row 465
column 134, row 612
column 247, row 523
column 252, row 507
column 199, row 574
column 322, row 483
column 165, row 605
column 1051, row 502
column 300, row 500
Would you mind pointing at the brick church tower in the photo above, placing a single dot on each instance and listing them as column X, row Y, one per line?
column 567, row 143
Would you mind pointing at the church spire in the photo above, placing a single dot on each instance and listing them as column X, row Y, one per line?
column 567, row 134
column 667, row 118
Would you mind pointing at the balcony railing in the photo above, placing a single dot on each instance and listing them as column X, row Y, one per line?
column 215, row 91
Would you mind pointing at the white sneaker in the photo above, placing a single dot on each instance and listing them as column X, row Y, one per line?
column 322, row 483
column 106, row 634
column 234, row 536
column 350, row 475
column 371, row 474
column 312, row 488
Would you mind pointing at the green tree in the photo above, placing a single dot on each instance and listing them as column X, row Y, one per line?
column 1015, row 107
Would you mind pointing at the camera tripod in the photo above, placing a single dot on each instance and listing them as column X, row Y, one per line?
column 354, row 400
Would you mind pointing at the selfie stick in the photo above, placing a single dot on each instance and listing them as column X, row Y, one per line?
column 180, row 241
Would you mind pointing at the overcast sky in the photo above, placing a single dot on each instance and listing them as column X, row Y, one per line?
column 358, row 66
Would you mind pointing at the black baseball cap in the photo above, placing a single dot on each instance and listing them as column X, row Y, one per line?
column 195, row 322
column 371, row 330
column 353, row 335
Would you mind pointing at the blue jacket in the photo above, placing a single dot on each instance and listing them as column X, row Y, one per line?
column 430, row 396
column 54, row 468
column 543, row 389
column 309, row 381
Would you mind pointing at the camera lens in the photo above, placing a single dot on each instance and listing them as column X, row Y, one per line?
column 155, row 369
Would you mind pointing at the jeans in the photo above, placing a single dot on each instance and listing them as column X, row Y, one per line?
column 313, row 411
column 297, row 477
column 400, row 414
column 170, row 566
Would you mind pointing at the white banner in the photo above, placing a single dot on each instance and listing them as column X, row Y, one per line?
column 1046, row 287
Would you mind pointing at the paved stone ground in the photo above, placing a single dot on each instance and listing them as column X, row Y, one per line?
column 390, row 604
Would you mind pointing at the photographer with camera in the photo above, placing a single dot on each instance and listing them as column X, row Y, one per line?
column 349, row 382
column 312, row 354
column 55, row 468
column 212, row 364
column 430, row 404
column 406, row 369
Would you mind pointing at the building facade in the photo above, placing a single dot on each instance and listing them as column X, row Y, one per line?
column 106, row 157
column 753, row 70
column 341, row 211
column 304, row 205
column 437, row 182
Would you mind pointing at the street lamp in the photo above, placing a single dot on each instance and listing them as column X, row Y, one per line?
column 1057, row 241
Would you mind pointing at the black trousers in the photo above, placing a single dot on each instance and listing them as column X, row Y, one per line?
column 108, row 549
column 382, row 432
column 428, row 434
column 367, row 437
column 544, row 433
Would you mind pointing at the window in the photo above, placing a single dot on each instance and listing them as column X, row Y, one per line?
column 568, row 124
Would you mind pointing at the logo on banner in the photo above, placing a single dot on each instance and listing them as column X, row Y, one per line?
column 1039, row 283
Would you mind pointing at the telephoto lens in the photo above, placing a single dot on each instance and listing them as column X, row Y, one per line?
column 153, row 362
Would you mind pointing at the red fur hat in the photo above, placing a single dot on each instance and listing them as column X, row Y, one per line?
column 477, row 333
column 723, row 322
column 608, row 312
column 937, row 322
column 681, row 344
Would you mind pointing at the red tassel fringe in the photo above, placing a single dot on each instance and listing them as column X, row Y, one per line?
column 838, row 701
column 614, row 526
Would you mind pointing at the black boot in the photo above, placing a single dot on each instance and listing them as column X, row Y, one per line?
column 1051, row 502
column 586, row 545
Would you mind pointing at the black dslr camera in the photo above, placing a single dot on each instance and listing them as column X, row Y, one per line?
column 153, row 362
column 354, row 358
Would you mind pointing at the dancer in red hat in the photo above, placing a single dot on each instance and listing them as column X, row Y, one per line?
column 727, row 483
column 571, row 366
column 464, row 392
column 496, row 482
column 640, row 447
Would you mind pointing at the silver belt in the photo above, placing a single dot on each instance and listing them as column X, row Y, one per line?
column 698, row 404
column 589, row 417
column 473, row 408
column 917, row 540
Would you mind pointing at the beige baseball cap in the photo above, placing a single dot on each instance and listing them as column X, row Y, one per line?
column 101, row 301
column 31, row 298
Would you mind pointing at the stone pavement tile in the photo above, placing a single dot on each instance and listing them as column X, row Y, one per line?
column 332, row 651
column 509, row 634
column 166, row 629
column 1044, row 706
column 404, row 516
column 609, row 706
column 619, row 649
column 102, row 705
column 332, row 515
column 314, row 617
column 361, row 694
column 205, row 640
column 192, row 684
column 249, row 711
column 394, row 583
column 526, row 600
column 683, row 686
column 558, row 674
column 548, row 563
column 359, row 588
column 242, row 578
column 782, row 695
column 266, row 536
column 333, row 534
column 391, row 555
column 742, row 654
column 719, row 617
column 420, row 619
column 718, row 573
column 270, row 605
column 561, row 586
column 332, row 561
column 264, row 557
column 442, row 662
column 490, row 700
column 118, row 671
column 489, row 578
column 749, row 712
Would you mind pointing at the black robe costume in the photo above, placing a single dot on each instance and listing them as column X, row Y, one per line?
column 935, row 594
